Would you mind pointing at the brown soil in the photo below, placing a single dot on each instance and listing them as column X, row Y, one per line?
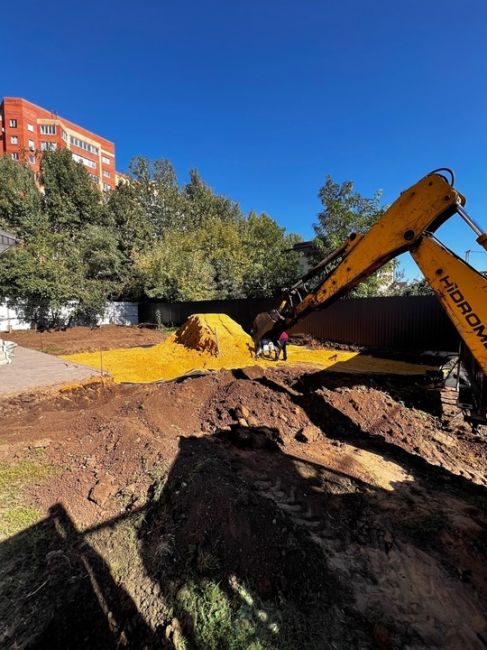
column 332, row 512
column 86, row 339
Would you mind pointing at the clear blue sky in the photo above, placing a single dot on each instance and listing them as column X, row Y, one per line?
column 266, row 98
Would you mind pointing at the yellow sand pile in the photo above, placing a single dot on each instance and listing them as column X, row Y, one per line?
column 216, row 342
column 216, row 334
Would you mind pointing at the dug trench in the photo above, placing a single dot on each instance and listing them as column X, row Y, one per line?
column 258, row 508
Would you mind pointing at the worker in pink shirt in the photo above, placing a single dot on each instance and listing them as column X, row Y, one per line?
column 282, row 345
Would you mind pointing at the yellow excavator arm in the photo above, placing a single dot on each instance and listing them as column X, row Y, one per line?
column 407, row 225
column 461, row 290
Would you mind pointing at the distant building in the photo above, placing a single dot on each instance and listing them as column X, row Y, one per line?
column 6, row 241
column 27, row 130
column 120, row 177
column 306, row 252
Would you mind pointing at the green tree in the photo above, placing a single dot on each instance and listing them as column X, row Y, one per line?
column 40, row 278
column 69, row 251
column 99, row 252
column 271, row 263
column 149, row 237
column 416, row 287
column 201, row 203
column 345, row 211
column 221, row 240
column 71, row 199
column 20, row 201
column 155, row 187
column 177, row 269
column 135, row 230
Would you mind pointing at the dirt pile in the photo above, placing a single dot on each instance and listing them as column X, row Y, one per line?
column 397, row 412
column 251, row 404
column 216, row 334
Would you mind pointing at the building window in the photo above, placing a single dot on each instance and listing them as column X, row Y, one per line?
column 105, row 160
column 83, row 145
column 48, row 146
column 13, row 124
column 95, row 178
column 30, row 128
column 32, row 160
column 48, row 129
column 15, row 155
column 32, row 144
column 65, row 135
column 106, row 188
column 14, row 139
column 84, row 161
column 106, row 174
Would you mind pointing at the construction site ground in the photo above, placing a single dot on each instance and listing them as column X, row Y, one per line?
column 86, row 339
column 254, row 508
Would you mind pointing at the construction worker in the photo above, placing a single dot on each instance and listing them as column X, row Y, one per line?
column 263, row 323
column 266, row 348
column 282, row 345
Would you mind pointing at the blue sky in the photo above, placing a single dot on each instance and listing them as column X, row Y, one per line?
column 267, row 98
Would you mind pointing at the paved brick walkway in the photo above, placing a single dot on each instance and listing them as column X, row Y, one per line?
column 31, row 370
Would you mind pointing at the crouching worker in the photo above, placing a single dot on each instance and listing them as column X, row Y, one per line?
column 266, row 348
column 262, row 325
column 282, row 345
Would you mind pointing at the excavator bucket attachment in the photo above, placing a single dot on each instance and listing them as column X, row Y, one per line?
column 264, row 323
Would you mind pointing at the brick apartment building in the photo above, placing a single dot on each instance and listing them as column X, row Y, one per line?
column 27, row 130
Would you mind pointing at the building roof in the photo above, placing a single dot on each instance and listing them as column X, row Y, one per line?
column 305, row 246
column 53, row 115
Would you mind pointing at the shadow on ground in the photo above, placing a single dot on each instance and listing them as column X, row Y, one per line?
column 247, row 547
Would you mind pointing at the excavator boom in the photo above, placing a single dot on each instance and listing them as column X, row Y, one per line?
column 423, row 207
column 407, row 225
column 462, row 292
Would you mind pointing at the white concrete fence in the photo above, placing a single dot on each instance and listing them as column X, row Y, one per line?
column 116, row 313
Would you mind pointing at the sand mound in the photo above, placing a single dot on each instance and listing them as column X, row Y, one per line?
column 216, row 334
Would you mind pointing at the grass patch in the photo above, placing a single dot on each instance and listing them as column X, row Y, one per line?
column 11, row 474
column 218, row 621
column 17, row 518
column 15, row 515
column 52, row 349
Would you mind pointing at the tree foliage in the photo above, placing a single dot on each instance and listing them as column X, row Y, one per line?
column 71, row 200
column 149, row 238
column 345, row 211
column 416, row 287
column 20, row 201
column 271, row 262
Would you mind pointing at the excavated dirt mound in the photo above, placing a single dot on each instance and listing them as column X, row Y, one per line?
column 259, row 404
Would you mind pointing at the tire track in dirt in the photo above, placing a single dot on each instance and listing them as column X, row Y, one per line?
column 393, row 581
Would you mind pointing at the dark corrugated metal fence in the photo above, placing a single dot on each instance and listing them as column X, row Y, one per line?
column 412, row 323
column 175, row 313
